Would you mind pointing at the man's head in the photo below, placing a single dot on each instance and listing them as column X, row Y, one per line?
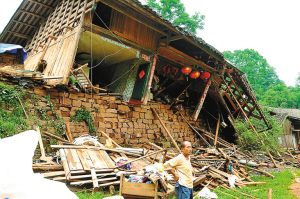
column 186, row 148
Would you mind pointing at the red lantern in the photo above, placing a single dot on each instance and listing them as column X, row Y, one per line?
column 186, row 70
column 205, row 75
column 195, row 75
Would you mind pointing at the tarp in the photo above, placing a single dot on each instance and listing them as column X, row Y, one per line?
column 11, row 48
column 17, row 180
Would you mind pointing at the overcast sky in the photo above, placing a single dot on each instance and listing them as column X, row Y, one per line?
column 270, row 27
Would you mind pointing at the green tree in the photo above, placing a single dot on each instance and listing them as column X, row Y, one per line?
column 174, row 11
column 260, row 74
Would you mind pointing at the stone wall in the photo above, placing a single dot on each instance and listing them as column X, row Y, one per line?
column 127, row 124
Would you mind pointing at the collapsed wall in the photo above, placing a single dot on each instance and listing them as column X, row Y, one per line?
column 128, row 124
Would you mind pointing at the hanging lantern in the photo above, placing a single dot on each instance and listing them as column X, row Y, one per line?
column 195, row 75
column 205, row 75
column 186, row 70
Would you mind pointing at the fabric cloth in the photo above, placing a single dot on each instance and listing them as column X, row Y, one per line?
column 184, row 170
column 183, row 192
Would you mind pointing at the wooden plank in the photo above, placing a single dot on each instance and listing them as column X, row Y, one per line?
column 82, row 157
column 65, row 163
column 217, row 132
column 91, row 181
column 94, row 178
column 96, row 160
column 199, row 180
column 70, row 160
column 201, row 101
column 76, row 159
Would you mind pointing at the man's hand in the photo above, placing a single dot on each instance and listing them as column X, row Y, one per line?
column 172, row 171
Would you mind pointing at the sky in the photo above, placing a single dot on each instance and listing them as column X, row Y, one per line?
column 271, row 27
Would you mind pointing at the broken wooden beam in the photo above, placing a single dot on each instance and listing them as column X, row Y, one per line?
column 201, row 101
column 56, row 137
column 164, row 126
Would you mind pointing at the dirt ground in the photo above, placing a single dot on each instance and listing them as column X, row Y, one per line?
column 295, row 187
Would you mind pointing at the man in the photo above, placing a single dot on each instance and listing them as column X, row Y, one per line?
column 184, row 176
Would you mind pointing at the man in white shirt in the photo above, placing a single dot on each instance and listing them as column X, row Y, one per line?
column 182, row 165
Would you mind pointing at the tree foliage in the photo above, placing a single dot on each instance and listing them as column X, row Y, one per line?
column 268, row 88
column 249, row 139
column 174, row 11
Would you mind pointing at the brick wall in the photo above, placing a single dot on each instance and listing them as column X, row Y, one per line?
column 120, row 120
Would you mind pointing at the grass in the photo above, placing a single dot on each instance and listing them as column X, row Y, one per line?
column 280, row 185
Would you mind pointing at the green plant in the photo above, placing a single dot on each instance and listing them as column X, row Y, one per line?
column 84, row 115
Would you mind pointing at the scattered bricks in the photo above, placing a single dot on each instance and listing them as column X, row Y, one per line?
column 54, row 94
column 125, row 125
column 98, row 101
column 87, row 104
column 136, row 114
column 139, row 120
column 102, row 139
column 111, row 115
column 138, row 135
column 153, row 126
column 147, row 126
column 111, row 111
column 64, row 109
column 114, row 125
column 65, row 113
column 109, row 131
column 76, row 103
column 123, row 108
column 144, row 135
column 117, row 130
column 96, row 124
column 142, row 115
column 73, row 96
column 118, row 101
column 50, row 113
column 130, row 124
column 79, row 128
column 143, row 140
column 100, row 129
column 113, row 106
column 133, row 136
column 108, row 125
column 130, row 130
column 137, row 109
column 92, row 100
column 157, row 140
column 129, row 114
column 135, row 125
column 99, row 119
column 120, row 141
column 117, row 135
column 80, row 94
column 43, row 104
column 151, row 136
column 41, row 92
column 142, row 126
column 150, row 131
column 58, row 112
column 133, row 141
column 96, row 106
column 149, row 115
column 124, row 130
column 145, row 107
column 121, row 116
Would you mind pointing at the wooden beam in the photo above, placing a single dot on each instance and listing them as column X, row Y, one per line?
column 174, row 38
column 41, row 4
column 201, row 101
column 252, row 127
column 120, row 9
column 19, row 35
column 149, row 81
column 217, row 132
column 31, row 13
column 164, row 126
column 26, row 24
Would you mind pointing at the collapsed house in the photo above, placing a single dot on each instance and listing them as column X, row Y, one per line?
column 143, row 78
column 290, row 120
column 127, row 59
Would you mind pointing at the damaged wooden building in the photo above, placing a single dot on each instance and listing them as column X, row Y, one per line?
column 120, row 59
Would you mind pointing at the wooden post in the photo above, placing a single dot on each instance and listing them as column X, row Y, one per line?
column 110, row 139
column 270, row 194
column 41, row 142
column 217, row 132
column 56, row 137
column 169, row 134
column 252, row 127
column 149, row 81
column 22, row 107
column 69, row 135
column 200, row 104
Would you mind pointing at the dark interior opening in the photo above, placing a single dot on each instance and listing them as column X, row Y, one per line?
column 104, row 12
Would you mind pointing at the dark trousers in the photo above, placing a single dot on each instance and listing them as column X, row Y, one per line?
column 183, row 192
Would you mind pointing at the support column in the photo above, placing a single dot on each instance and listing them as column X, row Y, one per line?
column 200, row 104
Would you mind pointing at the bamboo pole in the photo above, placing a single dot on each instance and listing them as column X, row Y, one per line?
column 141, row 158
column 169, row 134
column 69, row 134
column 226, row 187
column 217, row 132
column 201, row 101
column 252, row 127
column 56, row 137
column 22, row 107
column 110, row 139
column 270, row 194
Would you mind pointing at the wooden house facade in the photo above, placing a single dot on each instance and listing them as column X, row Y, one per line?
column 123, row 47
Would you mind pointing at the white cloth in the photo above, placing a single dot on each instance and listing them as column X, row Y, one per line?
column 17, row 180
